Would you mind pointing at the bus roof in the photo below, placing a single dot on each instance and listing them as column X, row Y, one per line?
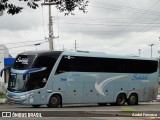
column 83, row 53
column 104, row 55
column 40, row 53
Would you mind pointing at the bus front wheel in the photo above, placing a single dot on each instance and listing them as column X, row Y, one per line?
column 54, row 101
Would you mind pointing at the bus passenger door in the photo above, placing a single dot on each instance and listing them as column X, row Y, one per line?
column 37, row 83
column 36, row 97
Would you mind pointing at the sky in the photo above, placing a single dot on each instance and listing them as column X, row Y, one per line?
column 118, row 27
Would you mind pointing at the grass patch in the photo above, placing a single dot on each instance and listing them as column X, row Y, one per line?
column 127, row 109
column 2, row 95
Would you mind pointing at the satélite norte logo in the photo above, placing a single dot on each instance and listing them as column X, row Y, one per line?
column 140, row 77
column 22, row 60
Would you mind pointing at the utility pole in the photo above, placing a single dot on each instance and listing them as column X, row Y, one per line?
column 50, row 39
column 139, row 52
column 50, row 36
column 151, row 48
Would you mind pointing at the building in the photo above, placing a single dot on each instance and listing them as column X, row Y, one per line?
column 5, row 60
column 4, row 53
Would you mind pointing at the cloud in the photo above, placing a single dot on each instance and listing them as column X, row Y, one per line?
column 27, row 19
column 110, row 22
column 116, row 27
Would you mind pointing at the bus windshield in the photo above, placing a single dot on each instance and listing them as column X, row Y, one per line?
column 33, row 80
column 16, row 83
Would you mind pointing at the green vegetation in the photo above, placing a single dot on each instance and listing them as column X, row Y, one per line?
column 127, row 109
column 2, row 95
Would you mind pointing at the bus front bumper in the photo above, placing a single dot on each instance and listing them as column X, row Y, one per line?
column 18, row 98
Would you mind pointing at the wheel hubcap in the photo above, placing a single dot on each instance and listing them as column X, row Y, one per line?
column 121, row 100
column 133, row 99
column 53, row 100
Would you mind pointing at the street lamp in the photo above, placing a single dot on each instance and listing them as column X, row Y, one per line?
column 151, row 48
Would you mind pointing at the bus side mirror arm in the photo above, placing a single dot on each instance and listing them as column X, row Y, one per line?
column 31, row 70
column 1, row 72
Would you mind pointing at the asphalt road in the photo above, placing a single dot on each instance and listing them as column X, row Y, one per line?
column 143, row 111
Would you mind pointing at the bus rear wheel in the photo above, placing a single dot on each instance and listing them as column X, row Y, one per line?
column 54, row 101
column 121, row 99
column 133, row 99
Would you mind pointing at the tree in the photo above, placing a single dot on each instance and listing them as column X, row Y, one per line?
column 67, row 6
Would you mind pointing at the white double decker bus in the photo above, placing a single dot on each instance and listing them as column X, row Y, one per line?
column 54, row 78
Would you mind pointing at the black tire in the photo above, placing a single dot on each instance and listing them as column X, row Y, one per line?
column 102, row 104
column 113, row 104
column 133, row 99
column 121, row 99
column 36, row 106
column 54, row 101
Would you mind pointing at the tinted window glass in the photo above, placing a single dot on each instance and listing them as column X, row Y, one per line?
column 39, row 79
column 113, row 65
column 44, row 61
column 23, row 62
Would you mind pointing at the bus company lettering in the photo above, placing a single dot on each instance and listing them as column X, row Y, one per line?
column 22, row 60
column 139, row 77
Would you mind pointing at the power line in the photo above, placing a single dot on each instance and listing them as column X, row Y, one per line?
column 25, row 45
column 105, row 24
column 142, row 24
column 43, row 21
column 148, row 11
column 145, row 27
column 23, row 42
column 124, row 8
column 28, row 45
column 140, row 17
column 94, row 21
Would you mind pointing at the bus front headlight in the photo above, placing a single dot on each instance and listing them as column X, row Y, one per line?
column 24, row 96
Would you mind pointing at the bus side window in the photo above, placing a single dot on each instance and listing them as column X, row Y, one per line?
column 112, row 65
column 64, row 65
column 76, row 64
